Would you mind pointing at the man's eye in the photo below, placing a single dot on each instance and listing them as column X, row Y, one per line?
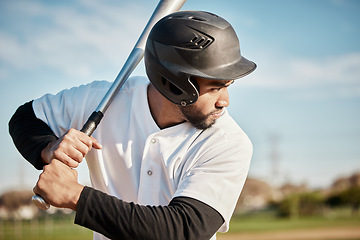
column 216, row 89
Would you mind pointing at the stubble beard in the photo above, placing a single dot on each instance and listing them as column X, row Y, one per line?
column 196, row 119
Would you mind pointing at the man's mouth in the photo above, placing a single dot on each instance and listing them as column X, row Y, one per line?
column 218, row 113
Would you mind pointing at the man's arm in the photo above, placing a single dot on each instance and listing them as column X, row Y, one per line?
column 183, row 218
column 38, row 144
column 30, row 134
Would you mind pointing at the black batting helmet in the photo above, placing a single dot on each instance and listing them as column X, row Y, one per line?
column 192, row 44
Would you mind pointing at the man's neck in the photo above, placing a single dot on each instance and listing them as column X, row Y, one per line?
column 165, row 113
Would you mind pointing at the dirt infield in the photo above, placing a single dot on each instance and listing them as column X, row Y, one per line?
column 336, row 233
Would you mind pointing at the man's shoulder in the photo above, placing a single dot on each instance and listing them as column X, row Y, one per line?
column 131, row 83
column 135, row 82
column 97, row 89
column 227, row 131
column 227, row 125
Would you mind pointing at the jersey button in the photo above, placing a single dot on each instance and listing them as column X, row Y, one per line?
column 153, row 140
column 149, row 172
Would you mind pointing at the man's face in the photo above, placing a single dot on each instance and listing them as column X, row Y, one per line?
column 213, row 97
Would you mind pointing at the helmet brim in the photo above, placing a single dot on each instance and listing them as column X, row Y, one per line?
column 234, row 71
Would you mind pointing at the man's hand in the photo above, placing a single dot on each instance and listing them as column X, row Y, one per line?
column 58, row 185
column 70, row 148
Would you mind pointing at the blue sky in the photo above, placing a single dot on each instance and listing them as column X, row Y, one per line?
column 302, row 103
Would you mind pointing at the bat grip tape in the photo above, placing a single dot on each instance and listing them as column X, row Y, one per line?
column 92, row 123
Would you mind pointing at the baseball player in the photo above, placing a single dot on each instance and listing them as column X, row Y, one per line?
column 172, row 162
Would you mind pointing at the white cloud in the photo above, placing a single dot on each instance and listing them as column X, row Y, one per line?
column 80, row 43
column 341, row 72
column 70, row 41
column 338, row 69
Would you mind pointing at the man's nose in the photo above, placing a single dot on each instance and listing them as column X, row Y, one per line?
column 223, row 100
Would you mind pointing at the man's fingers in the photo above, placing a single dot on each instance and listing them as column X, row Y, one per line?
column 75, row 173
column 96, row 144
column 88, row 142
column 81, row 145
column 68, row 157
column 40, row 185
column 71, row 148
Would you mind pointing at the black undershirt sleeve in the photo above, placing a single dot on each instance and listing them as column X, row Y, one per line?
column 183, row 218
column 30, row 134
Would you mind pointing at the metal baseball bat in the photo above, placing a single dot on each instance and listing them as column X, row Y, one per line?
column 163, row 8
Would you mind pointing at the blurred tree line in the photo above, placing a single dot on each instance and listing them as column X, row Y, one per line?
column 295, row 201
column 317, row 203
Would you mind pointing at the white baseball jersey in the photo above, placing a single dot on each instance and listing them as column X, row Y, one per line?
column 143, row 164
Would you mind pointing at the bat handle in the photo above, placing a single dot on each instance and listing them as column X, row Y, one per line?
column 92, row 123
column 88, row 128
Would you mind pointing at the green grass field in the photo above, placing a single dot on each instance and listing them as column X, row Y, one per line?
column 63, row 228
column 256, row 224
column 259, row 223
column 45, row 229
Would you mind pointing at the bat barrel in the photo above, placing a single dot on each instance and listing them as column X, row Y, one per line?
column 164, row 8
column 133, row 60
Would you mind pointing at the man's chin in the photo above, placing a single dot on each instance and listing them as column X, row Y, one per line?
column 202, row 125
column 198, row 120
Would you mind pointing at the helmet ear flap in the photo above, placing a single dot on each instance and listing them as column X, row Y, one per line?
column 195, row 83
column 171, row 87
column 180, row 96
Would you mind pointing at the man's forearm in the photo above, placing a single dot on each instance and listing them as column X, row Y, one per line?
column 183, row 218
column 30, row 134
